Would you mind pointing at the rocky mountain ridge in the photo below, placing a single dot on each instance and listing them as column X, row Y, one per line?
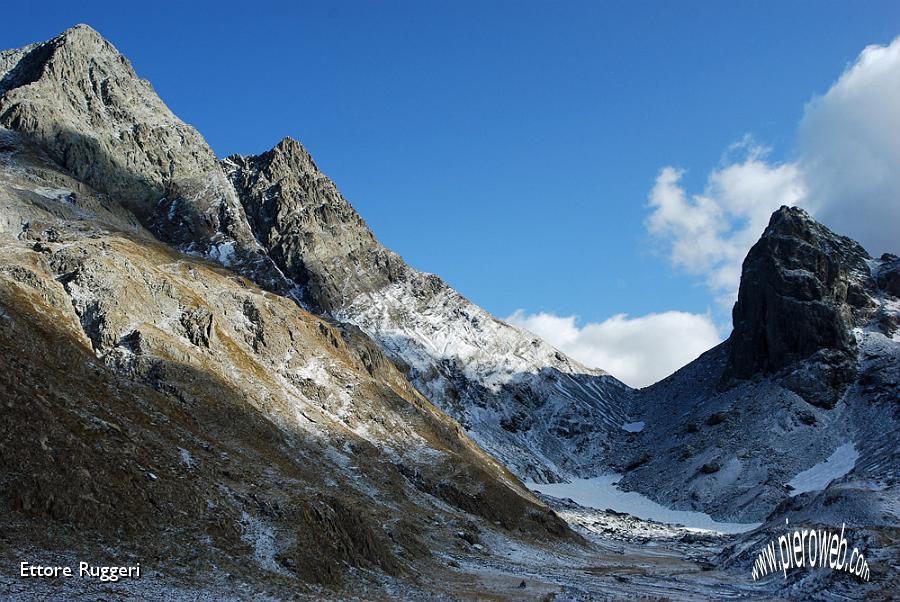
column 803, row 290
column 541, row 413
column 79, row 99
column 279, row 221
column 161, row 403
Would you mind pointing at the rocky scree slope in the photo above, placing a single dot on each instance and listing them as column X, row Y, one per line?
column 538, row 411
column 162, row 407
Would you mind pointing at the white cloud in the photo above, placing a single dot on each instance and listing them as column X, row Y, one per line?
column 638, row 351
column 847, row 174
column 710, row 233
column 849, row 151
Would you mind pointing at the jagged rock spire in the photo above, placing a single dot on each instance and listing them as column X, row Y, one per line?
column 803, row 288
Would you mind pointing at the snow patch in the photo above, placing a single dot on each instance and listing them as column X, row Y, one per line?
column 634, row 427
column 316, row 371
column 173, row 210
column 822, row 474
column 223, row 253
column 54, row 194
column 186, row 458
column 601, row 493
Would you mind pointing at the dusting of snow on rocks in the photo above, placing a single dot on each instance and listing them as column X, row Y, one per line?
column 541, row 413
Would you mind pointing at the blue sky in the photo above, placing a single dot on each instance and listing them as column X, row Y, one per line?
column 508, row 146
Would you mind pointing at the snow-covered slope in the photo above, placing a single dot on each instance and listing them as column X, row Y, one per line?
column 538, row 411
column 541, row 413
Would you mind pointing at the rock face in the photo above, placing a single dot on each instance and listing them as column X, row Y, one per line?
column 309, row 229
column 542, row 414
column 803, row 288
column 79, row 99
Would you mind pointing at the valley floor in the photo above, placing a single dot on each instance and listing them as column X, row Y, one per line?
column 626, row 558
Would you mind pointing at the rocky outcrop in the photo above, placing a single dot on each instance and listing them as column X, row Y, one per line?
column 888, row 275
column 803, row 288
column 309, row 229
column 812, row 366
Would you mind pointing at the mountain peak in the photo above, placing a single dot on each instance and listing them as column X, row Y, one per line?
column 87, row 43
column 68, row 53
column 82, row 31
column 294, row 155
column 77, row 90
column 803, row 288
column 83, row 44
column 796, row 222
column 80, row 100
column 283, row 192
column 786, row 213
column 289, row 143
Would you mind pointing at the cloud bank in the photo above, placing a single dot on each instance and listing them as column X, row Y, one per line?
column 638, row 351
column 846, row 173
